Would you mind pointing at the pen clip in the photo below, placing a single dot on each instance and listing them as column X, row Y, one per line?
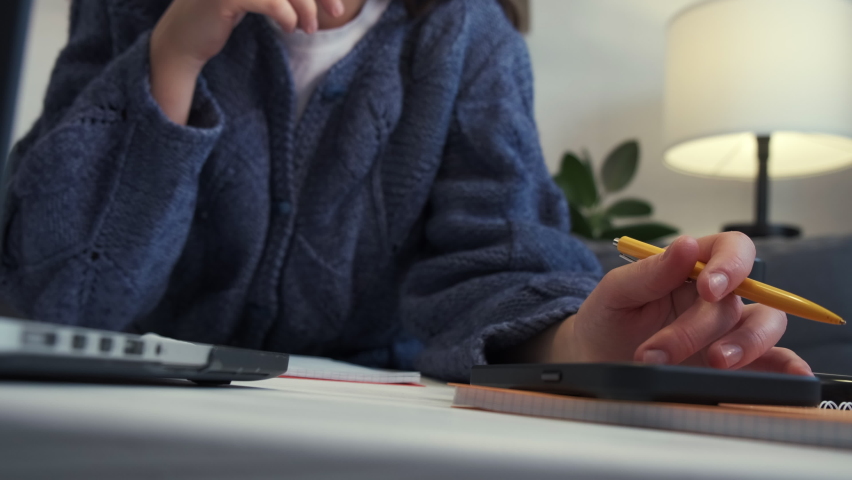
column 623, row 256
column 628, row 258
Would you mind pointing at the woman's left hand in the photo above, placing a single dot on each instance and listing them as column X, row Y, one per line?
column 646, row 312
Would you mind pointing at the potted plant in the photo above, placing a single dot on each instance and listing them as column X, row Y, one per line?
column 593, row 214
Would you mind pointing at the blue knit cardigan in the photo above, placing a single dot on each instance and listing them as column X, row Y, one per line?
column 407, row 217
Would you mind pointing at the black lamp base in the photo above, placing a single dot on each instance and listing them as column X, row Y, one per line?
column 761, row 227
column 754, row 230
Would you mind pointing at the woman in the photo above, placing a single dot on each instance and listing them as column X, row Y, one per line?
column 369, row 187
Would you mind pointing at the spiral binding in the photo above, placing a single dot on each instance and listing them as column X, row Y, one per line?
column 829, row 405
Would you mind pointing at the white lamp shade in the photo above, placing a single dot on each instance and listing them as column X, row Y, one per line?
column 740, row 68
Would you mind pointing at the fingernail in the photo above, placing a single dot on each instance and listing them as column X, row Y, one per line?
column 732, row 353
column 337, row 9
column 313, row 26
column 655, row 357
column 718, row 284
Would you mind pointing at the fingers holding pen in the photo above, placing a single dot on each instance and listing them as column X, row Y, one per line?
column 725, row 335
column 759, row 330
column 729, row 257
column 639, row 283
column 699, row 324
column 696, row 328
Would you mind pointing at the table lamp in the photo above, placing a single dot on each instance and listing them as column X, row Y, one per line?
column 757, row 89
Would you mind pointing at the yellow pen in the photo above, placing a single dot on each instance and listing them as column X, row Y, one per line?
column 632, row 250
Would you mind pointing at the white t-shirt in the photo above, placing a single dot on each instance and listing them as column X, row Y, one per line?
column 311, row 56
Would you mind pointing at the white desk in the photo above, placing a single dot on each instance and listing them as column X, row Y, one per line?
column 287, row 428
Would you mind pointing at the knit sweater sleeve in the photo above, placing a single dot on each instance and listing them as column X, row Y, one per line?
column 500, row 265
column 100, row 194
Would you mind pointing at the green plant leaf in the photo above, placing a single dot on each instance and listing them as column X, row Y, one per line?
column 620, row 166
column 629, row 207
column 579, row 224
column 645, row 232
column 576, row 181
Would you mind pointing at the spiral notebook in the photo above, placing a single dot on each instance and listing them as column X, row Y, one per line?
column 320, row 368
column 830, row 426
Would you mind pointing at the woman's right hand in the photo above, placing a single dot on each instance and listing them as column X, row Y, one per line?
column 191, row 32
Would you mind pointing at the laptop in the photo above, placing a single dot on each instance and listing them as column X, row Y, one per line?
column 33, row 349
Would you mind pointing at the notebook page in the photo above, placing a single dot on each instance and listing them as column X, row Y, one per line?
column 320, row 368
column 811, row 426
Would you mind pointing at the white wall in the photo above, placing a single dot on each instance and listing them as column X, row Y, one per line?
column 599, row 79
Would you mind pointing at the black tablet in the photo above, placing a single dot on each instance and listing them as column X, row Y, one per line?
column 653, row 383
column 835, row 388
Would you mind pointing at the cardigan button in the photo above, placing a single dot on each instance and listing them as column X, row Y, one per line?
column 284, row 208
column 333, row 93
